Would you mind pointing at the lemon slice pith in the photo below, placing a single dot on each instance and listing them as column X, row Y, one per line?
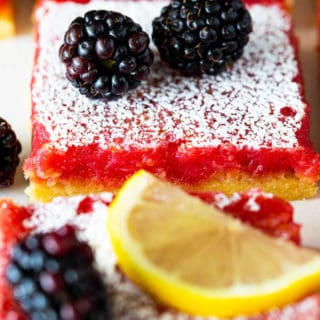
column 196, row 259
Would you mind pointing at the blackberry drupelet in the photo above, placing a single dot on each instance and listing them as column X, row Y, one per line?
column 53, row 277
column 10, row 148
column 202, row 36
column 106, row 54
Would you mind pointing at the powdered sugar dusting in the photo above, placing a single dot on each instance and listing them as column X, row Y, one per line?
column 222, row 200
column 241, row 107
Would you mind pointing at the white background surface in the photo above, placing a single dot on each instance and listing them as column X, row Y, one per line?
column 16, row 56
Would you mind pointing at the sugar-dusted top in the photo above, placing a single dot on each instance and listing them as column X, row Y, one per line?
column 256, row 104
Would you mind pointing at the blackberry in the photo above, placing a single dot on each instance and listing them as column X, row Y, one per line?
column 202, row 36
column 10, row 148
column 106, row 54
column 53, row 277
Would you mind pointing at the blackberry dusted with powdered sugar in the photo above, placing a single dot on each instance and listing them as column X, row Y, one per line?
column 202, row 36
column 106, row 54
column 10, row 148
column 53, row 277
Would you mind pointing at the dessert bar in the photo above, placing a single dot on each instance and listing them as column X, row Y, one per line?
column 248, row 126
column 125, row 300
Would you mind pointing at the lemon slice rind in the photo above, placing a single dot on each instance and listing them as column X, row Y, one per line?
column 169, row 288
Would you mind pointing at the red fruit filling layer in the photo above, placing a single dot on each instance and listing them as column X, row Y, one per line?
column 11, row 229
column 270, row 214
column 196, row 165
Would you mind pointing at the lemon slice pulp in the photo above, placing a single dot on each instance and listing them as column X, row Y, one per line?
column 192, row 257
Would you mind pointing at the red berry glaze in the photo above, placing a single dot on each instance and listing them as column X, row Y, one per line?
column 270, row 214
column 85, row 205
column 11, row 229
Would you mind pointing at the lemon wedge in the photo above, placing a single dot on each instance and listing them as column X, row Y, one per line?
column 198, row 260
